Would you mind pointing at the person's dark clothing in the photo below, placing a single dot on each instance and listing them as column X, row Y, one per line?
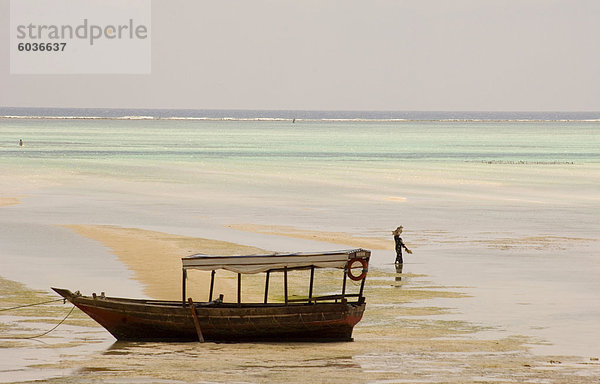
column 399, row 245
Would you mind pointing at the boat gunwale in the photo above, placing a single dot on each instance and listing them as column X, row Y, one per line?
column 79, row 298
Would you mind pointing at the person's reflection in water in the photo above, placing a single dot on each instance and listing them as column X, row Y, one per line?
column 399, row 272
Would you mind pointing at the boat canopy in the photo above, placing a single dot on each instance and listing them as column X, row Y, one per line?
column 278, row 261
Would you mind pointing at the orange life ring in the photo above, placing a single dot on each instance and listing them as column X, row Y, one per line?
column 364, row 264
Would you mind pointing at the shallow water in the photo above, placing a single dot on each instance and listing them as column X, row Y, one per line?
column 505, row 210
column 399, row 340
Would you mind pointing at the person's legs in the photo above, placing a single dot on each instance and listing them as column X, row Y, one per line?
column 399, row 258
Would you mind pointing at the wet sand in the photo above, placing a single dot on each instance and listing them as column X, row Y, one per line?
column 402, row 337
column 373, row 243
column 426, row 237
column 8, row 201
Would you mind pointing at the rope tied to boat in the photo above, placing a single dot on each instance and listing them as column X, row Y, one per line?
column 33, row 305
column 42, row 334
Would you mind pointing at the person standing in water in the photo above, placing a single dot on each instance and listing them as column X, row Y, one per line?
column 399, row 245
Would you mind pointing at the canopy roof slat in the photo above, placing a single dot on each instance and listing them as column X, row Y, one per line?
column 278, row 261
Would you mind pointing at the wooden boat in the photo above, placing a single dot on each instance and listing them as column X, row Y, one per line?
column 323, row 318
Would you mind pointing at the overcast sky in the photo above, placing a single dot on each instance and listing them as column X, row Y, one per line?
column 519, row 55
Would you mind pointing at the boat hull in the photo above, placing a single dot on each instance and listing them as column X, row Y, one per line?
column 147, row 320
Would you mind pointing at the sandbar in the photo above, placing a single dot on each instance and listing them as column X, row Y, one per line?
column 328, row 237
column 155, row 258
column 8, row 201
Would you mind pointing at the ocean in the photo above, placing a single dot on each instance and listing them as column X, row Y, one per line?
column 501, row 208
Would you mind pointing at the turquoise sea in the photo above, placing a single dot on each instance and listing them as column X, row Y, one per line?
column 503, row 207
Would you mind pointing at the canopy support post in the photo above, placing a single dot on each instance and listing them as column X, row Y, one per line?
column 312, row 279
column 239, row 293
column 183, row 279
column 362, row 287
column 267, row 286
column 212, row 285
column 285, row 283
column 344, row 285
